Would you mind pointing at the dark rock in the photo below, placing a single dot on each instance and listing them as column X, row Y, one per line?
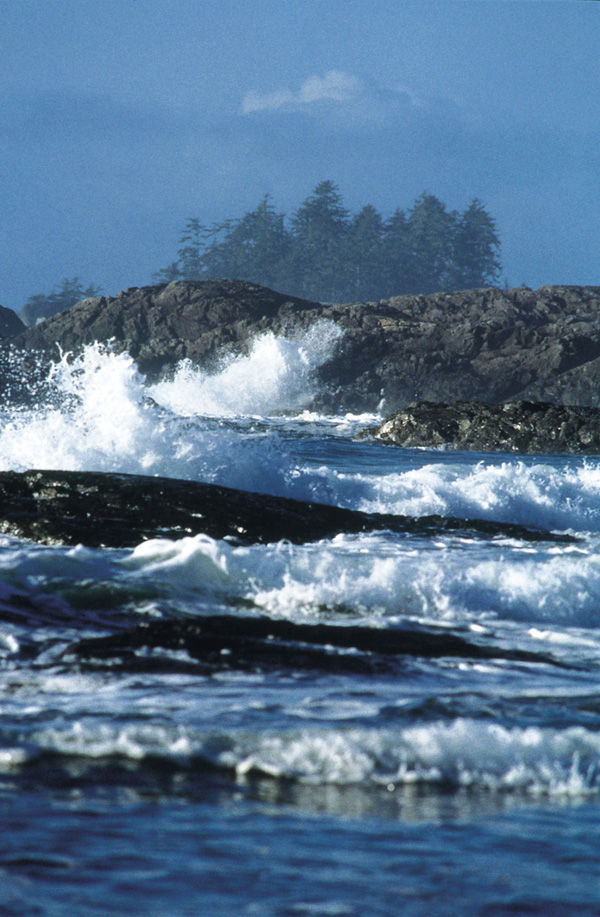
column 237, row 642
column 118, row 510
column 484, row 345
column 518, row 426
column 10, row 323
column 161, row 325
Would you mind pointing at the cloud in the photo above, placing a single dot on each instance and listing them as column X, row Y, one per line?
column 335, row 86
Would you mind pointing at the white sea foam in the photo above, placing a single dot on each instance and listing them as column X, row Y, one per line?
column 98, row 416
column 465, row 753
column 95, row 417
column 543, row 494
column 379, row 581
column 276, row 376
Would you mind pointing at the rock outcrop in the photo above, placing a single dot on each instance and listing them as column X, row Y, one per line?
column 479, row 345
column 161, row 325
column 119, row 510
column 517, row 426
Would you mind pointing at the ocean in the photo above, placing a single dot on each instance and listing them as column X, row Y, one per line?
column 413, row 783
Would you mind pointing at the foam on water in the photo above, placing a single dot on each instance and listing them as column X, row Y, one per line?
column 382, row 581
column 377, row 581
column 541, row 494
column 96, row 415
column 466, row 753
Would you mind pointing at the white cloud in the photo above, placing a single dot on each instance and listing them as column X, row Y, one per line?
column 335, row 86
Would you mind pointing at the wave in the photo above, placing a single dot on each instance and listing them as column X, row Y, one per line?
column 276, row 376
column 464, row 754
column 544, row 494
column 373, row 579
column 95, row 412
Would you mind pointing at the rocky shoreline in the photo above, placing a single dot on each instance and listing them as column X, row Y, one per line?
column 487, row 345
column 494, row 370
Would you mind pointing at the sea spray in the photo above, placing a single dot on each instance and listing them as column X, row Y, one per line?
column 276, row 376
column 94, row 416
column 95, row 413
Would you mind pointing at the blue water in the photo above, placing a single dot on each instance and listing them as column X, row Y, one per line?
column 146, row 784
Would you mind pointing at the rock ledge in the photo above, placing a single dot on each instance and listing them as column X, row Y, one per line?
column 517, row 426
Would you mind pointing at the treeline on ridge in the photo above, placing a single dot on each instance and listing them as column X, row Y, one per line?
column 326, row 254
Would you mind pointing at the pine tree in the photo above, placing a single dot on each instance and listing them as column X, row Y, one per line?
column 326, row 255
column 190, row 254
column 430, row 239
column 319, row 227
column 169, row 273
column 252, row 248
column 62, row 297
column 475, row 261
column 362, row 267
column 396, row 255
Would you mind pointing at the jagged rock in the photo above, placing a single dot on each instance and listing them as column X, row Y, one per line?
column 484, row 345
column 518, row 426
column 161, row 325
column 97, row 509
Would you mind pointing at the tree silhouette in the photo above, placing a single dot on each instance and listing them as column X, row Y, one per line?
column 326, row 254
column 62, row 297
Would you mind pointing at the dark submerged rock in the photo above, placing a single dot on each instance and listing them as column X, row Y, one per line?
column 484, row 345
column 238, row 642
column 518, row 426
column 117, row 510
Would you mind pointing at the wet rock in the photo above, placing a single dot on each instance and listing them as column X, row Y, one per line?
column 479, row 345
column 117, row 510
column 221, row 642
column 518, row 426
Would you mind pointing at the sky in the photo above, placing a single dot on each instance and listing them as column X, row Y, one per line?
column 120, row 119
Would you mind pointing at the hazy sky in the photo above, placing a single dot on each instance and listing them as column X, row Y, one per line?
column 121, row 118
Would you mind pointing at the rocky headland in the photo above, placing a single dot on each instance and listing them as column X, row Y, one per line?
column 486, row 345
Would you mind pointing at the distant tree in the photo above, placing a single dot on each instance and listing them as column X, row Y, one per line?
column 430, row 236
column 326, row 254
column 318, row 229
column 363, row 263
column 169, row 273
column 475, row 261
column 62, row 297
column 253, row 248
column 192, row 241
column 396, row 255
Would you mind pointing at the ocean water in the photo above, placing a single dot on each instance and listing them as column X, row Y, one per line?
column 149, row 783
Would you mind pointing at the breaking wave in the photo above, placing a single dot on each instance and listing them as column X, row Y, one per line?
column 466, row 753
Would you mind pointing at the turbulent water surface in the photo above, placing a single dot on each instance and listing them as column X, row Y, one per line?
column 144, row 780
